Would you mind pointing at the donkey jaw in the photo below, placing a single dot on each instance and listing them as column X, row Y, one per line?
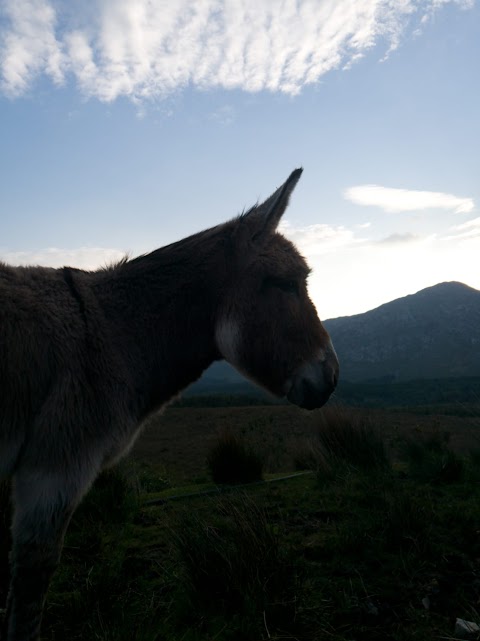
column 314, row 382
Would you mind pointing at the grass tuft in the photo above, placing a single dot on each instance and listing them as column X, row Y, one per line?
column 231, row 460
column 347, row 437
column 113, row 496
column 307, row 454
column 231, row 562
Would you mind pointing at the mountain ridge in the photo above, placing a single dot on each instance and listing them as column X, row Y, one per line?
column 444, row 286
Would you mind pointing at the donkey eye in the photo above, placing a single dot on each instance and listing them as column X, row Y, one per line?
column 290, row 286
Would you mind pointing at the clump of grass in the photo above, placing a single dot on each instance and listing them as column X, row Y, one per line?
column 231, row 563
column 429, row 459
column 308, row 454
column 112, row 498
column 269, row 443
column 231, row 460
column 349, row 438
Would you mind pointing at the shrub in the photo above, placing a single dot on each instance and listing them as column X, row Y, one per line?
column 112, row 498
column 349, row 437
column 231, row 460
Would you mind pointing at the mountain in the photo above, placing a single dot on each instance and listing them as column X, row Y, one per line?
column 434, row 333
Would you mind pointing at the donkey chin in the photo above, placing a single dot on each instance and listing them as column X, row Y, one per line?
column 313, row 383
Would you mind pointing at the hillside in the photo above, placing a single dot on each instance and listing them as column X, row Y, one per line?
column 434, row 333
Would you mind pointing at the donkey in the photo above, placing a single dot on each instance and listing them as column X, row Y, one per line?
column 85, row 357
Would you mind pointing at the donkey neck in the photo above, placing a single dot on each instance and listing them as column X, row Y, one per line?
column 161, row 310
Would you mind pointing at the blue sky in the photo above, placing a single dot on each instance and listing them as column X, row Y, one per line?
column 127, row 124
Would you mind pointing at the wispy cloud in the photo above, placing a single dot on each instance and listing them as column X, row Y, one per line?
column 225, row 115
column 83, row 257
column 399, row 200
column 144, row 49
column 466, row 231
column 314, row 240
column 469, row 224
column 399, row 238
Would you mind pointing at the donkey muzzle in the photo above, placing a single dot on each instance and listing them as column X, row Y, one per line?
column 314, row 382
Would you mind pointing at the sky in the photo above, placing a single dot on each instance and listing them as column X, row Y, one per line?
column 128, row 124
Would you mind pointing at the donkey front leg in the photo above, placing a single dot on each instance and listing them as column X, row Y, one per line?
column 44, row 505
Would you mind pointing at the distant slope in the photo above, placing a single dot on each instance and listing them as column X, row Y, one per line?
column 434, row 333
column 223, row 378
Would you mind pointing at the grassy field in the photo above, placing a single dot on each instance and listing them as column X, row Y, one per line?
column 177, row 443
column 379, row 541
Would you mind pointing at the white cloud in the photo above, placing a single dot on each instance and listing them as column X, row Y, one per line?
column 399, row 200
column 83, row 257
column 29, row 46
column 148, row 49
column 314, row 240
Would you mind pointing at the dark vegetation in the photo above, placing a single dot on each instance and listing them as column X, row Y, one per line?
column 231, row 460
column 380, row 541
column 374, row 394
column 411, row 393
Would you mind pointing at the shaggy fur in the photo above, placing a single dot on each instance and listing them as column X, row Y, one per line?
column 86, row 356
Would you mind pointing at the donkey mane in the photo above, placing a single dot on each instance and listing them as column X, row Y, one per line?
column 115, row 263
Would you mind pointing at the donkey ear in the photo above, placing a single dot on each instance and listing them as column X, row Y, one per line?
column 264, row 218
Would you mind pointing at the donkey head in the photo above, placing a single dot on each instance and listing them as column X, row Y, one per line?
column 268, row 327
